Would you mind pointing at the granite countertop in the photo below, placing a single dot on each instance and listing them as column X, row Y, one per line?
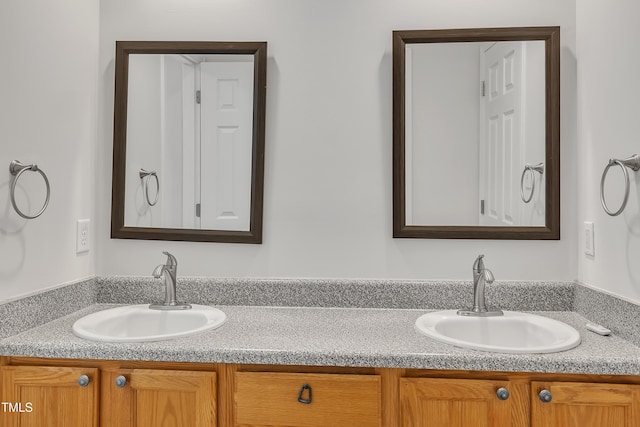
column 365, row 337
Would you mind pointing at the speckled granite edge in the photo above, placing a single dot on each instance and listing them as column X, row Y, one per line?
column 35, row 310
column 620, row 316
column 367, row 293
column 365, row 323
column 348, row 337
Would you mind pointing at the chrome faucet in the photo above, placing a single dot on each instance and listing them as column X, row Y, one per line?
column 168, row 272
column 481, row 276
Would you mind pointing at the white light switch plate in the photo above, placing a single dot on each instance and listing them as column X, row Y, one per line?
column 83, row 240
column 589, row 246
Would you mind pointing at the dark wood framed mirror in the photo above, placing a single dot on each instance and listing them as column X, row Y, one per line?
column 188, row 141
column 476, row 124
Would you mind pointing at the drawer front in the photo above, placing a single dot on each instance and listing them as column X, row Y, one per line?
column 283, row 399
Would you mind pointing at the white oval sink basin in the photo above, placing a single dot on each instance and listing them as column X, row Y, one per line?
column 514, row 332
column 137, row 323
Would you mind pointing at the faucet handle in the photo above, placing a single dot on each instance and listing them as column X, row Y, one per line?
column 478, row 263
column 171, row 260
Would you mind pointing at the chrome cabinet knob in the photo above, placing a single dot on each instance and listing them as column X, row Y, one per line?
column 545, row 396
column 83, row 381
column 121, row 381
column 502, row 393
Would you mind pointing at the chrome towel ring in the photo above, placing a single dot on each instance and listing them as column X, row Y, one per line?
column 632, row 162
column 531, row 169
column 145, row 176
column 17, row 169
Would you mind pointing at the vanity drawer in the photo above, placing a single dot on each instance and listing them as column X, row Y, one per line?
column 285, row 399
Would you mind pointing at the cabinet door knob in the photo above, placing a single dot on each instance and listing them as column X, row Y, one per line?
column 545, row 396
column 83, row 380
column 121, row 381
column 502, row 393
column 301, row 399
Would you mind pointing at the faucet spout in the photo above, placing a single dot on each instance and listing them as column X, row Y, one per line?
column 168, row 271
column 488, row 276
column 481, row 276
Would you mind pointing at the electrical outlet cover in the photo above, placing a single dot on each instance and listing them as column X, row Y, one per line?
column 83, row 241
column 589, row 246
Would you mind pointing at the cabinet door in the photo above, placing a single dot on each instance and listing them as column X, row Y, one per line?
column 158, row 398
column 585, row 405
column 435, row 402
column 36, row 396
column 268, row 399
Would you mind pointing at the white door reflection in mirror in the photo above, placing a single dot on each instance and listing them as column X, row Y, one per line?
column 501, row 121
column 465, row 151
column 226, row 104
column 190, row 120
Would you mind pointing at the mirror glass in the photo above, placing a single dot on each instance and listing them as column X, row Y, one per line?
column 473, row 138
column 189, row 141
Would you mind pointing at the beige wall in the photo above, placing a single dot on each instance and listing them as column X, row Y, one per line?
column 48, row 116
column 608, row 127
column 328, row 157
column 328, row 198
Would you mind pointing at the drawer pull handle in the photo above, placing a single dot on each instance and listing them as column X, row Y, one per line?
column 301, row 399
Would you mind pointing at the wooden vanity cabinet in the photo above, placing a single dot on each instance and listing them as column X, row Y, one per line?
column 114, row 396
column 437, row 402
column 146, row 397
column 306, row 399
column 36, row 396
column 576, row 404
column 90, row 393
column 457, row 399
